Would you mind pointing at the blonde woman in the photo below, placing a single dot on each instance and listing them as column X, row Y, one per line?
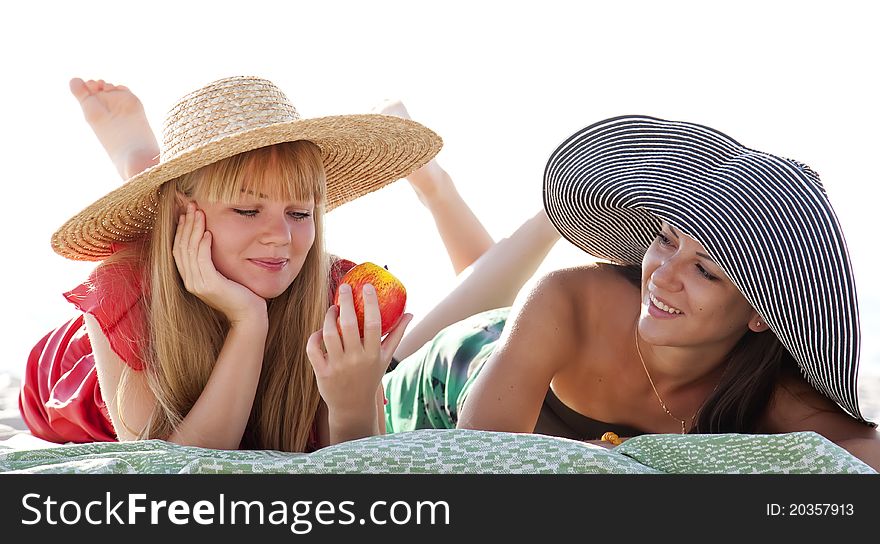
column 213, row 290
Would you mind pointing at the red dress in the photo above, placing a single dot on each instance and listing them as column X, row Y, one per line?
column 60, row 398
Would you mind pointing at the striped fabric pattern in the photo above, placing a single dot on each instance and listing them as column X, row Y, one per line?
column 765, row 220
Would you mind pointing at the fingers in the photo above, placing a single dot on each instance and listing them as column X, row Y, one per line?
column 181, row 248
column 197, row 220
column 389, row 345
column 204, row 262
column 79, row 89
column 195, row 249
column 192, row 249
column 178, row 251
column 330, row 334
column 372, row 319
column 95, row 86
column 316, row 354
column 343, row 344
column 185, row 228
column 348, row 322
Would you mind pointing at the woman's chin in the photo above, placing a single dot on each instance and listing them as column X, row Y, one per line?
column 268, row 292
column 657, row 333
column 269, row 295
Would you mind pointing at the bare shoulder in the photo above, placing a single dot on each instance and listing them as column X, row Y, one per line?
column 546, row 314
column 591, row 283
column 589, row 290
column 796, row 406
column 545, row 333
column 590, row 275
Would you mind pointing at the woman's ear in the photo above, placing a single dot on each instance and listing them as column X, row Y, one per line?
column 758, row 324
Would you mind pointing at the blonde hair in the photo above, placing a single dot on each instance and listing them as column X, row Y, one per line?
column 185, row 335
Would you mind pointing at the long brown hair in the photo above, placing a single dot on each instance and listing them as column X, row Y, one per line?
column 753, row 369
column 185, row 335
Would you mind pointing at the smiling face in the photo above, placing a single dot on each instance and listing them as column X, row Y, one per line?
column 259, row 242
column 687, row 300
column 260, row 208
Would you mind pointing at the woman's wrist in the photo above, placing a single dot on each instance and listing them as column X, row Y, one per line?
column 352, row 424
column 255, row 319
column 254, row 329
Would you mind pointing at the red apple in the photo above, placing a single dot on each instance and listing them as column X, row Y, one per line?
column 389, row 290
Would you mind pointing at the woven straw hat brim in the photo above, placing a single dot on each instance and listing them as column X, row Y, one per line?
column 765, row 220
column 361, row 153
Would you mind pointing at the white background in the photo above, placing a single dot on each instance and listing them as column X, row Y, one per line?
column 502, row 82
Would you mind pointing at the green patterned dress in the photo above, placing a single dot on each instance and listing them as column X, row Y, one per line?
column 426, row 390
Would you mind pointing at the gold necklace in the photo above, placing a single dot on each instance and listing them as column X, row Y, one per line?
column 662, row 404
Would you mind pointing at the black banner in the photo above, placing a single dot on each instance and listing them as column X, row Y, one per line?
column 433, row 508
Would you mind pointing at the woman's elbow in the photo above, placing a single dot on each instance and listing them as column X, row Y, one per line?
column 866, row 449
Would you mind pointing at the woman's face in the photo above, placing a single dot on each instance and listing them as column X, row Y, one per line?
column 687, row 299
column 258, row 242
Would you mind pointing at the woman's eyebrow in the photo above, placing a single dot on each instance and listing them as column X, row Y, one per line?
column 247, row 191
column 699, row 254
column 708, row 258
column 304, row 203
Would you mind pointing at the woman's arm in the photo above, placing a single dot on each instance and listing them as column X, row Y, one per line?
column 867, row 449
column 220, row 415
column 349, row 368
column 217, row 419
column 380, row 409
column 493, row 281
column 129, row 413
column 538, row 340
column 796, row 407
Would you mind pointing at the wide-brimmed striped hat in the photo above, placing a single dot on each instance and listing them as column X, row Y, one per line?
column 361, row 153
column 765, row 220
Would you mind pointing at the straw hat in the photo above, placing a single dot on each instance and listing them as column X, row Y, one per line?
column 765, row 220
column 361, row 153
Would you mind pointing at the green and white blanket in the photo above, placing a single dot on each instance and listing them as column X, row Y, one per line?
column 453, row 452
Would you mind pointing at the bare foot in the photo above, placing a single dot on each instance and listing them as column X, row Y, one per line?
column 430, row 182
column 117, row 117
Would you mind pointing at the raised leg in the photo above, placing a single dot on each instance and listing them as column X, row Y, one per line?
column 117, row 118
column 463, row 235
column 493, row 281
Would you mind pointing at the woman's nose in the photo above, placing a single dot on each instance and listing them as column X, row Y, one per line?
column 667, row 275
column 277, row 231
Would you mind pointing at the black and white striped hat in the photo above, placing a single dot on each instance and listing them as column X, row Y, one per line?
column 765, row 220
